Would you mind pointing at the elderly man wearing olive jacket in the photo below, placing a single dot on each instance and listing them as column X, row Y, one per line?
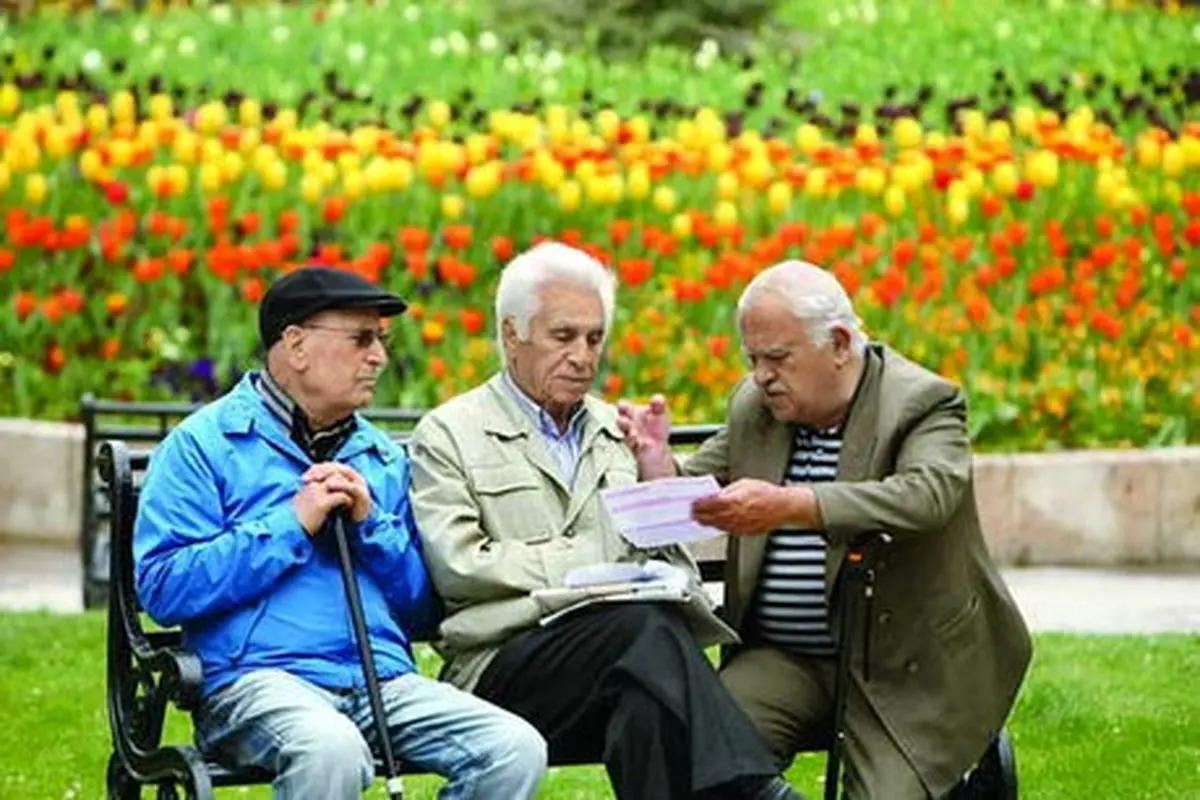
column 506, row 482
column 832, row 440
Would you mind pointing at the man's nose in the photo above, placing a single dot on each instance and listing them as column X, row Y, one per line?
column 763, row 374
column 377, row 353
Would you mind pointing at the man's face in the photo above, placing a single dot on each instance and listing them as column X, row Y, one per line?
column 344, row 356
column 557, row 364
column 798, row 378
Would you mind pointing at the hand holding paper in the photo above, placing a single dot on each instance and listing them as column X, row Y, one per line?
column 658, row 513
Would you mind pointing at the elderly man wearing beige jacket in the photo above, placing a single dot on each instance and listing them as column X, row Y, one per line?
column 831, row 440
column 506, row 482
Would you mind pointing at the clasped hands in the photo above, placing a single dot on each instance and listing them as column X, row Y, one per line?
column 328, row 486
column 746, row 507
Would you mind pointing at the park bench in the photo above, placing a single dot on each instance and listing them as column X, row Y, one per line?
column 147, row 669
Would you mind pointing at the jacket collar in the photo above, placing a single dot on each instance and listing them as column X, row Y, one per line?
column 511, row 421
column 245, row 413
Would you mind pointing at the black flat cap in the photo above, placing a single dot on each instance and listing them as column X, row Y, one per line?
column 298, row 295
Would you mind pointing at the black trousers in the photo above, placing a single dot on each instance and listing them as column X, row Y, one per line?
column 627, row 684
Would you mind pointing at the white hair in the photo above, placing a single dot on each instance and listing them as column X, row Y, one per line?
column 812, row 294
column 518, row 297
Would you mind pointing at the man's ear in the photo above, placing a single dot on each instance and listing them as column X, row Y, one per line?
column 508, row 333
column 841, row 341
column 294, row 347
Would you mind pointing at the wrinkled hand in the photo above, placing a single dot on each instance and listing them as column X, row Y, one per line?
column 647, row 430
column 327, row 486
column 750, row 507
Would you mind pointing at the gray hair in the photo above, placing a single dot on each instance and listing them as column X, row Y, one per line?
column 518, row 297
column 812, row 294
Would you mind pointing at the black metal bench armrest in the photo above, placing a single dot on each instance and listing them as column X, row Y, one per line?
column 182, row 675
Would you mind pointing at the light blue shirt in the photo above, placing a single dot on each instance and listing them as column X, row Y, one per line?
column 564, row 447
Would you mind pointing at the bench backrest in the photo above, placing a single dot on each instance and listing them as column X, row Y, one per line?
column 145, row 424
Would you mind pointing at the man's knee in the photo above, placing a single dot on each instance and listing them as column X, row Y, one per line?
column 517, row 749
column 333, row 752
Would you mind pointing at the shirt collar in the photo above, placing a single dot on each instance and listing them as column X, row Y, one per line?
column 541, row 419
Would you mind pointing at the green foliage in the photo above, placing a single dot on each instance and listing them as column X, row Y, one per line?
column 627, row 27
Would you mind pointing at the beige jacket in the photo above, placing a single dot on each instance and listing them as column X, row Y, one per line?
column 948, row 647
column 498, row 521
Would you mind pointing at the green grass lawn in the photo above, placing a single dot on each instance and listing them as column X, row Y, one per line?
column 1100, row 717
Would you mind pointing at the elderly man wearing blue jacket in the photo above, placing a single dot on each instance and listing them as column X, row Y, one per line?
column 230, row 544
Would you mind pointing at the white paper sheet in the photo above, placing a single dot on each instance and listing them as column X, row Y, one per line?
column 658, row 513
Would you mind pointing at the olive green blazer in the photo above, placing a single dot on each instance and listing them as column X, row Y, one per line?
column 948, row 648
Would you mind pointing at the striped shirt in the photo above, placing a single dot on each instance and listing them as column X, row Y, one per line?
column 789, row 607
column 321, row 444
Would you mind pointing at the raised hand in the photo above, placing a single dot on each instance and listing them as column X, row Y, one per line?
column 647, row 429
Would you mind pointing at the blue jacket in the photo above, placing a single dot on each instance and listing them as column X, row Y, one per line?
column 220, row 552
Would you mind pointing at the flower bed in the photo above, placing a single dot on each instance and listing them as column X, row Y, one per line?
column 1044, row 255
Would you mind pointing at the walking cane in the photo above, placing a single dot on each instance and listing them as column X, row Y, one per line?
column 858, row 575
column 395, row 786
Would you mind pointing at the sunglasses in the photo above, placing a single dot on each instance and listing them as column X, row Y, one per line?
column 363, row 337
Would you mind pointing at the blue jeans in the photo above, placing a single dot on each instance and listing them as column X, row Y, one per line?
column 316, row 741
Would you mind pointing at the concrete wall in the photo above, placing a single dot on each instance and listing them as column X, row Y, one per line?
column 1082, row 507
column 41, row 470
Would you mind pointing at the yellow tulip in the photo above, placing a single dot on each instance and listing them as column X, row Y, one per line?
column 725, row 214
column 36, row 188
column 999, row 132
column 249, row 113
column 639, row 181
column 569, row 195
column 1025, row 120
column 232, row 166
column 177, row 176
column 484, row 180
column 57, row 144
column 681, row 225
column 894, row 200
column 121, row 152
column 1042, row 168
column 1149, row 152
column 97, row 118
column 718, row 156
column 816, row 182
column 870, row 180
column 10, row 99
column 186, row 149
column 438, row 113
column 957, row 209
column 124, row 109
column 808, row 138
column 758, row 171
column 727, row 185
column 162, row 107
column 352, row 185
column 210, row 177
column 400, row 174
column 608, row 123
column 907, row 133
column 1190, row 145
column 779, row 197
column 5, row 177
column 866, row 134
column 1172, row 160
column 973, row 123
column 665, row 199
column 1004, row 178
column 638, row 128
column 273, row 175
column 311, row 187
